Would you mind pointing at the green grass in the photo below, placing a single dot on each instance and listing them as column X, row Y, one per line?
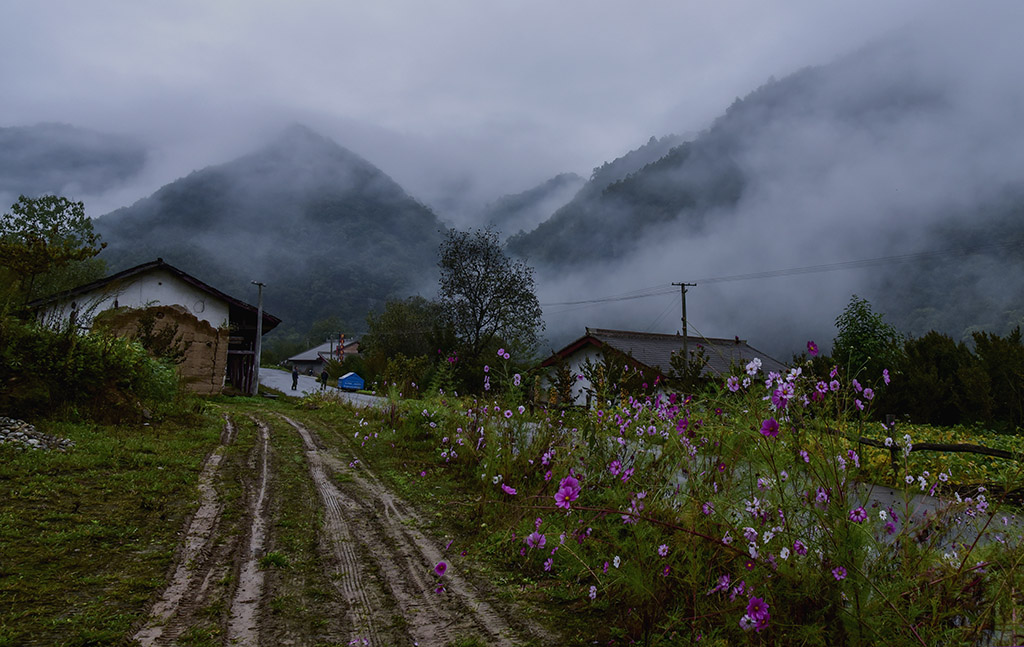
column 88, row 535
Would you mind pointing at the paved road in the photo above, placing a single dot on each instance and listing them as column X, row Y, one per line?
column 282, row 381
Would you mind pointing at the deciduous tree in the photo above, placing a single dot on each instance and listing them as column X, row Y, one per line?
column 45, row 236
column 487, row 297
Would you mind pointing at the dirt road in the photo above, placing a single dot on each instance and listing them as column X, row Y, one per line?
column 379, row 562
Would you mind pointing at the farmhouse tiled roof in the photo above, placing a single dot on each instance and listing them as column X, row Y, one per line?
column 315, row 353
column 655, row 350
column 269, row 320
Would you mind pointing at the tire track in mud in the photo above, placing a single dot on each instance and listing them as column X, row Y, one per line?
column 385, row 528
column 351, row 578
column 201, row 564
column 243, row 623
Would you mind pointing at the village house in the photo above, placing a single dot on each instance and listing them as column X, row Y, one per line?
column 651, row 353
column 216, row 331
column 312, row 361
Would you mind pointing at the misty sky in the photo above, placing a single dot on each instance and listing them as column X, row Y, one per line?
column 463, row 101
column 479, row 98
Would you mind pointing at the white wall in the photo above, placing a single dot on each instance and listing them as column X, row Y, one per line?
column 575, row 363
column 158, row 287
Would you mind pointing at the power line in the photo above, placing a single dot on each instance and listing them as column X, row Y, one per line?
column 659, row 290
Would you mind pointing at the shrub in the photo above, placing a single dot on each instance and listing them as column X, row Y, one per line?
column 45, row 371
column 743, row 516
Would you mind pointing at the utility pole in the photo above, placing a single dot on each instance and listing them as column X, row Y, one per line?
column 259, row 340
column 682, row 294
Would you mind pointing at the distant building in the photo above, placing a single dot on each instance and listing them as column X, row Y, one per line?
column 651, row 353
column 312, row 361
column 219, row 330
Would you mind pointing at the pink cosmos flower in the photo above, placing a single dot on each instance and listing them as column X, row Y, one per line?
column 615, row 467
column 549, row 563
column 536, row 540
column 770, row 428
column 440, row 569
column 663, row 550
column 568, row 491
column 885, row 375
column 501, row 352
column 839, row 573
column 812, row 349
column 858, row 514
column 508, row 490
column 733, row 384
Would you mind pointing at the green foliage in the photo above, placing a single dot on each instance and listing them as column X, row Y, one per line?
column 162, row 342
column 1002, row 360
column 46, row 371
column 88, row 535
column 664, row 520
column 412, row 327
column 939, row 381
column 46, row 235
column 613, row 377
column 488, row 298
column 408, row 374
column 865, row 343
column 563, row 381
column 274, row 559
column 687, row 374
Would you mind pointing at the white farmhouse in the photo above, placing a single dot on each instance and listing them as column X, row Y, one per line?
column 220, row 330
column 651, row 354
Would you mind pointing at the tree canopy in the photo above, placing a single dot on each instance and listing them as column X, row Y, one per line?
column 866, row 342
column 44, row 236
column 486, row 296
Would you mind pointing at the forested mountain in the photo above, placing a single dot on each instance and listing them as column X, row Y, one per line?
column 883, row 154
column 520, row 212
column 880, row 153
column 572, row 221
column 327, row 232
column 64, row 160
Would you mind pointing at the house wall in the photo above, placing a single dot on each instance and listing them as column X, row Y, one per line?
column 154, row 288
column 576, row 362
column 203, row 369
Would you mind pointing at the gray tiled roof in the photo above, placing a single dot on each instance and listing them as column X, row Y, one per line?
column 313, row 354
column 655, row 350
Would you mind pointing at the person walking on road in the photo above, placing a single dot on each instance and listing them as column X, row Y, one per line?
column 295, row 378
column 323, row 379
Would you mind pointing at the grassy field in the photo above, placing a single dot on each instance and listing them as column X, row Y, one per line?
column 87, row 537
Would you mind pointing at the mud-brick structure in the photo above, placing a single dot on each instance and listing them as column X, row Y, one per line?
column 213, row 333
column 200, row 350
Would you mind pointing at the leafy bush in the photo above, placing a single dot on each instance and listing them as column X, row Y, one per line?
column 45, row 371
column 744, row 516
column 943, row 382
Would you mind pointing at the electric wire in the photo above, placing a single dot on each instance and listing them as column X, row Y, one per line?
column 658, row 290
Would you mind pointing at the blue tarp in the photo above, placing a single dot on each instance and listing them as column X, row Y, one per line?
column 351, row 382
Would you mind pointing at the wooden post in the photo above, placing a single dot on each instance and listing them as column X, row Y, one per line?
column 259, row 339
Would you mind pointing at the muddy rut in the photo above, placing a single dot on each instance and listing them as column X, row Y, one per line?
column 209, row 555
column 382, row 557
column 381, row 566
